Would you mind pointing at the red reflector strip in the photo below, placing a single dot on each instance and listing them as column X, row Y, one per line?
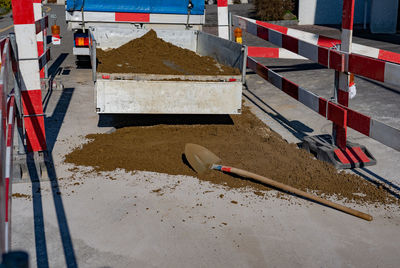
column 105, row 76
column 389, row 56
column 324, row 41
column 132, row 17
column 263, row 52
column 367, row 67
column 275, row 27
column 222, row 3
column 352, row 155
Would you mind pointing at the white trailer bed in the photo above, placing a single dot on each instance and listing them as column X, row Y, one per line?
column 169, row 94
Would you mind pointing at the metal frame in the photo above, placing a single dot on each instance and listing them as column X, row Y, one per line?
column 10, row 113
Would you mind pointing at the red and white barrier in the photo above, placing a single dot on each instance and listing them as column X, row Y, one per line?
column 25, row 33
column 337, row 113
column 361, row 65
column 328, row 42
column 76, row 16
column 44, row 59
column 327, row 57
column 8, row 170
column 37, row 10
column 272, row 52
column 325, row 51
column 223, row 20
column 7, row 111
column 3, row 143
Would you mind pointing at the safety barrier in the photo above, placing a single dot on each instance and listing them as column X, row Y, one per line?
column 328, row 42
column 29, row 26
column 336, row 113
column 10, row 107
column 272, row 52
column 376, row 69
column 326, row 51
column 20, row 97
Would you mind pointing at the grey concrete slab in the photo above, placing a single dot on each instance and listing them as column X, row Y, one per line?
column 89, row 219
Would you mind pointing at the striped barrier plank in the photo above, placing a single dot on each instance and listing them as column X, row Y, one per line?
column 76, row 16
column 39, row 20
column 42, row 24
column 339, row 114
column 327, row 57
column 44, row 59
column 376, row 69
column 328, row 42
column 272, row 52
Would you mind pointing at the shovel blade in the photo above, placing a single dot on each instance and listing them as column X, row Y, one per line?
column 200, row 158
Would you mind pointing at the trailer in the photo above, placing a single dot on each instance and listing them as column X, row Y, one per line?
column 141, row 14
column 136, row 93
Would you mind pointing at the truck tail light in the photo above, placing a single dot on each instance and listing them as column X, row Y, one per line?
column 81, row 41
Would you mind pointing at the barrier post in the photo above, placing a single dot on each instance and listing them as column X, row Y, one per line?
column 223, row 23
column 26, row 38
column 17, row 94
column 339, row 133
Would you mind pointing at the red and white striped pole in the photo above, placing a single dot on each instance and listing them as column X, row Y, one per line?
column 342, row 79
column 8, row 171
column 223, row 20
column 25, row 33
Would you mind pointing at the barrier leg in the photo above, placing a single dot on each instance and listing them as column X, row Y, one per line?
column 336, row 149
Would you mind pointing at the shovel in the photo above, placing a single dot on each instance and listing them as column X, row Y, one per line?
column 201, row 160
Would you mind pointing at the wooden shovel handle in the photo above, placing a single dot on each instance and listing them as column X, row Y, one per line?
column 296, row 191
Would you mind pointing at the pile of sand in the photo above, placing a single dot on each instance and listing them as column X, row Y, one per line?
column 152, row 55
column 242, row 141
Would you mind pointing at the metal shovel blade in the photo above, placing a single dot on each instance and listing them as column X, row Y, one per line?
column 200, row 158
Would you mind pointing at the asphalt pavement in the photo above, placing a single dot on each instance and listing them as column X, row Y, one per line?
column 6, row 25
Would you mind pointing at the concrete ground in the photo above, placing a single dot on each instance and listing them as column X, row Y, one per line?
column 88, row 219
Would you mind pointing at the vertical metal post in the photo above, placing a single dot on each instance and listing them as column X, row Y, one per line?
column 244, row 67
column 230, row 26
column 339, row 133
column 3, row 113
column 44, row 32
column 17, row 94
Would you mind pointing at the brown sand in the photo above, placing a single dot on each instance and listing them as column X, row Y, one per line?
column 152, row 55
column 246, row 144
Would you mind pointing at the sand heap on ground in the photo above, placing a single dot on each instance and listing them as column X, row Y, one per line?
column 152, row 55
column 242, row 141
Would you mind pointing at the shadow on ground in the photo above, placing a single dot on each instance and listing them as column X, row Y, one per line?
column 297, row 128
column 127, row 120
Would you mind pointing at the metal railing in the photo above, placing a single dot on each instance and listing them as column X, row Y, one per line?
column 10, row 114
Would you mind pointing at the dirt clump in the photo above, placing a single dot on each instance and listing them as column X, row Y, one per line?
column 244, row 143
column 152, row 55
column 19, row 195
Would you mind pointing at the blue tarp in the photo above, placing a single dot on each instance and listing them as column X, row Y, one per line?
column 138, row 6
